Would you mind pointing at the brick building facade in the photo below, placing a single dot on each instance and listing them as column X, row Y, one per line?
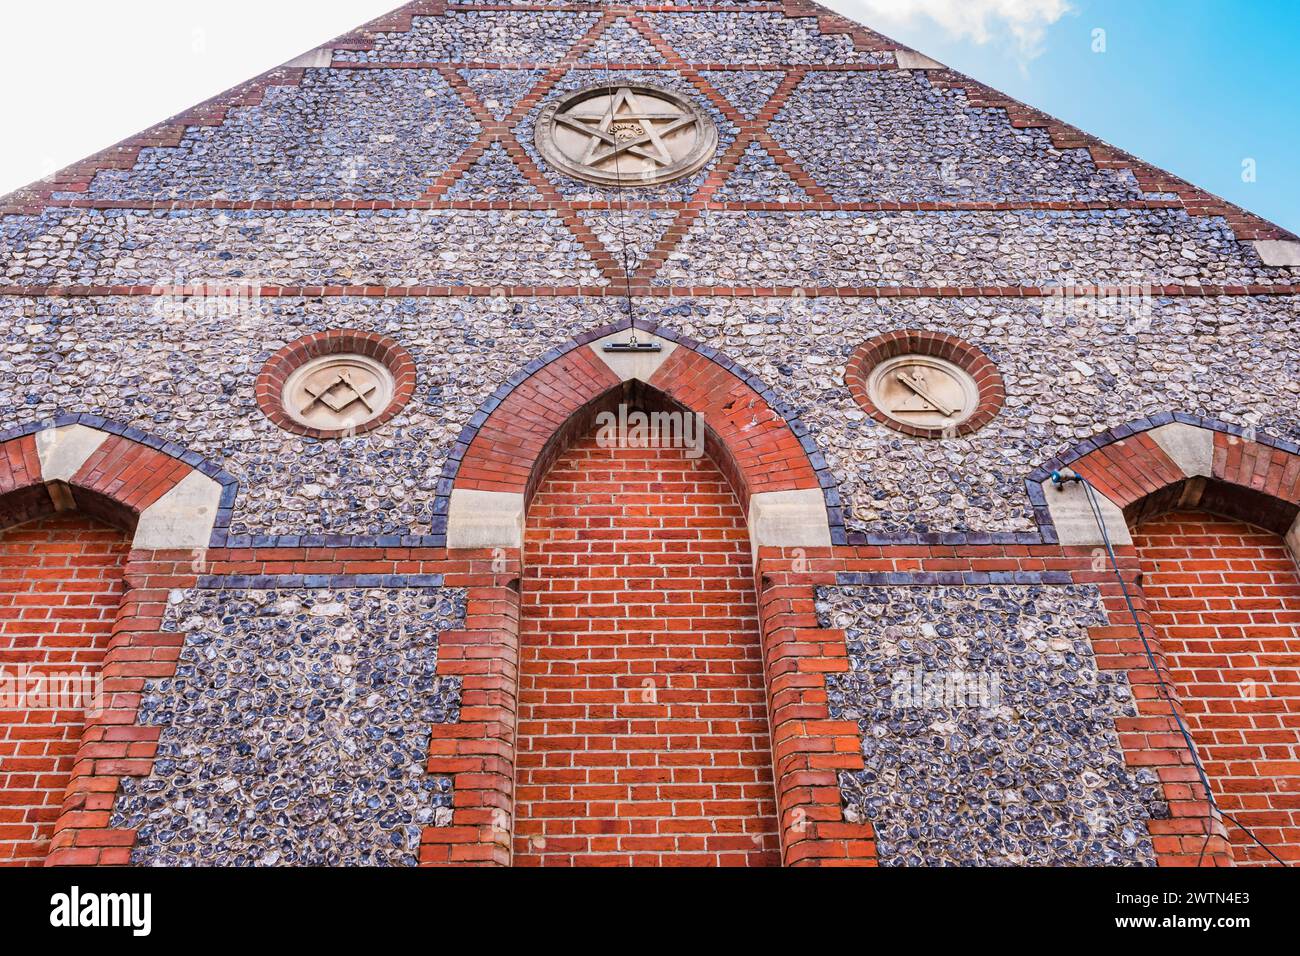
column 847, row 628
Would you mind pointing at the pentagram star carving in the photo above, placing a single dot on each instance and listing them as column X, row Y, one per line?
column 632, row 135
column 625, row 112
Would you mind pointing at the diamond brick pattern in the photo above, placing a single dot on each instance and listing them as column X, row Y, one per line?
column 392, row 192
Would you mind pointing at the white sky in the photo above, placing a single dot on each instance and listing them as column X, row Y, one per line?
column 79, row 75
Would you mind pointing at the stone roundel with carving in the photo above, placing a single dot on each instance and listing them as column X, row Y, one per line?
column 336, row 384
column 925, row 384
column 633, row 135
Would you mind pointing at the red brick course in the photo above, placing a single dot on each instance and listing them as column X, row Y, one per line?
column 809, row 749
column 643, row 287
column 478, row 752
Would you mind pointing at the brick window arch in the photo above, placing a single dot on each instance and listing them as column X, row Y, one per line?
column 1206, row 517
column 79, row 498
column 515, row 435
column 165, row 497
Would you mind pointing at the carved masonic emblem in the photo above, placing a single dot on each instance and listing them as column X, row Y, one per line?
column 923, row 391
column 339, row 394
column 626, row 135
column 919, row 397
column 341, row 390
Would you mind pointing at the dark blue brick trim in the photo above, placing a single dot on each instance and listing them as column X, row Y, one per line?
column 329, row 541
column 267, row 582
column 949, row 578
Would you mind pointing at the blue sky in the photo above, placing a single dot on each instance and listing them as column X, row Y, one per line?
column 1196, row 87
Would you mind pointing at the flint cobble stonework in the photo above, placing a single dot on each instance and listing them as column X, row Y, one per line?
column 909, row 142
column 455, row 37
column 710, row 37
column 296, row 729
column 304, row 247
column 1034, row 249
column 261, row 152
column 185, row 370
column 393, row 186
column 987, row 728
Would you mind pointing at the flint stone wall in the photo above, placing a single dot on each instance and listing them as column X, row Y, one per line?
column 184, row 370
column 988, row 732
column 296, row 729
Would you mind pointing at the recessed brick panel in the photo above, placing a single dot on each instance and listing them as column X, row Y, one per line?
column 643, row 733
column 1225, row 599
column 61, row 581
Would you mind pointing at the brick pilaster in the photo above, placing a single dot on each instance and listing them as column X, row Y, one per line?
column 478, row 752
column 809, row 749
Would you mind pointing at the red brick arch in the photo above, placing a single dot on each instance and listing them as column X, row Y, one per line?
column 119, row 475
column 1247, row 479
column 526, row 428
column 1219, row 601
column 93, row 600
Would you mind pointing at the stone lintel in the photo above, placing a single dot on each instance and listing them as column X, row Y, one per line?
column 789, row 519
column 485, row 519
column 183, row 518
column 1075, row 523
column 63, row 451
column 1190, row 448
column 1278, row 252
column 634, row 365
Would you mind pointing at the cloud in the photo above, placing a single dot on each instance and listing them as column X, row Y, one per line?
column 981, row 20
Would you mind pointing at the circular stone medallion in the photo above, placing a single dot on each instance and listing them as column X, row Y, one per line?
column 338, row 392
column 925, row 384
column 923, row 391
column 336, row 384
column 636, row 135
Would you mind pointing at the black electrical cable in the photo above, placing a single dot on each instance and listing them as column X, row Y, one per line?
column 624, row 205
column 1091, row 494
